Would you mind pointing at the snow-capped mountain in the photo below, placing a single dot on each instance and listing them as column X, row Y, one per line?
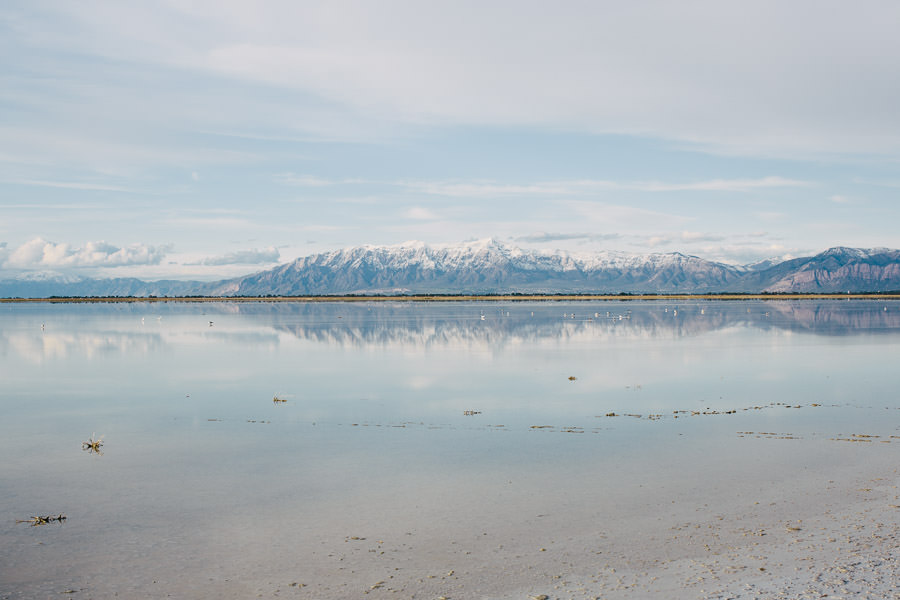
column 837, row 269
column 491, row 267
column 486, row 266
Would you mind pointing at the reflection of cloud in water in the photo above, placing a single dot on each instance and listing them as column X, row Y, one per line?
column 62, row 345
column 243, row 338
column 419, row 382
column 57, row 345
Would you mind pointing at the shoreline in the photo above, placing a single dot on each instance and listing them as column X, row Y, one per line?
column 448, row 298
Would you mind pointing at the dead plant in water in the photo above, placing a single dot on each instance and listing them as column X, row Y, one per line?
column 42, row 520
column 93, row 445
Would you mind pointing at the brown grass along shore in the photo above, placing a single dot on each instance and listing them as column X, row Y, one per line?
column 454, row 298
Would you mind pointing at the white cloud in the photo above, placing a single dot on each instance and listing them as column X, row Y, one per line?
column 698, row 71
column 771, row 216
column 256, row 256
column 618, row 217
column 718, row 185
column 771, row 80
column 106, row 151
column 658, row 240
column 537, row 238
column 711, row 73
column 480, row 189
column 747, row 252
column 687, row 238
column 39, row 253
column 736, row 248
column 303, row 180
column 211, row 223
column 71, row 185
column 422, row 214
column 696, row 237
column 588, row 186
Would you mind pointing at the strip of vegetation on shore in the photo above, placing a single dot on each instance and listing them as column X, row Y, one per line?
column 454, row 298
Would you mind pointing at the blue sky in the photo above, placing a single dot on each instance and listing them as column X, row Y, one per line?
column 210, row 139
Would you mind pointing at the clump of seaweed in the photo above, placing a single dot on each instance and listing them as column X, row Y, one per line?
column 93, row 445
column 43, row 520
column 278, row 400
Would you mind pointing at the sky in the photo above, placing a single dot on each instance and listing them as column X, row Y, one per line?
column 209, row 139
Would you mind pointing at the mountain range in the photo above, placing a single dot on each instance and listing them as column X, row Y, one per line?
column 492, row 267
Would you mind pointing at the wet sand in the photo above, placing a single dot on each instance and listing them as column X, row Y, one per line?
column 807, row 538
column 777, row 524
column 827, row 540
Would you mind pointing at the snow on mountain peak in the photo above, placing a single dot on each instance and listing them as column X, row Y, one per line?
column 855, row 253
column 493, row 266
column 491, row 253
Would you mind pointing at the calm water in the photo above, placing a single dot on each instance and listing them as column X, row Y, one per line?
column 206, row 486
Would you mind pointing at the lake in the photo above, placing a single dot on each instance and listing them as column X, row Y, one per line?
column 427, row 449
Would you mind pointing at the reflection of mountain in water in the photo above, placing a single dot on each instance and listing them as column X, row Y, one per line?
column 424, row 324
column 837, row 317
column 434, row 324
